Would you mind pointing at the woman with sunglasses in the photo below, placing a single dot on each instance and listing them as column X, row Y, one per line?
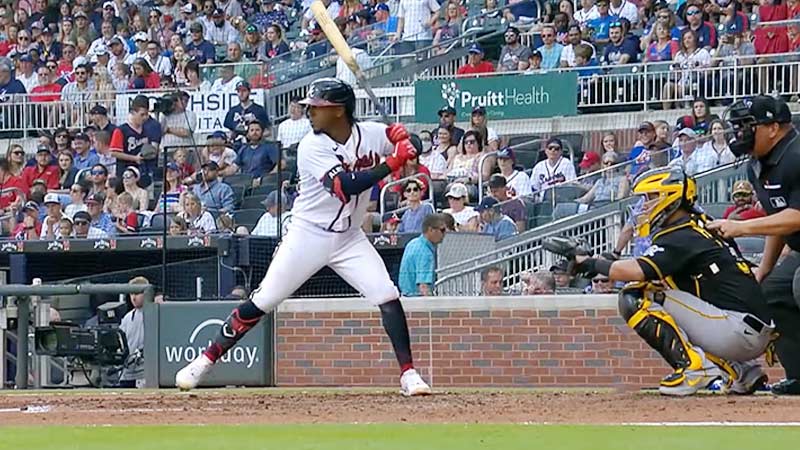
column 130, row 184
column 77, row 196
column 463, row 167
column 612, row 184
column 15, row 156
column 416, row 211
column 173, row 190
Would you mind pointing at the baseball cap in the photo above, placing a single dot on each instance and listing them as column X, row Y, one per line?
column 80, row 14
column 560, row 267
column 512, row 29
column 108, row 5
column 81, row 137
column 101, row 49
column 172, row 166
column 97, row 197
column 211, row 165
column 382, row 7
column 479, row 110
column 457, row 190
column 684, row 122
column 217, row 135
column 589, row 159
column 189, row 8
column 251, row 29
column 742, row 186
column 82, row 215
column 42, row 148
column 243, row 84
column 475, row 49
column 272, row 199
column 506, row 153
column 68, row 43
column 115, row 40
column 536, row 54
column 140, row 37
column 31, row 205
column 196, row 26
column 39, row 181
column 687, row 132
column 646, row 126
column 218, row 13
column 25, row 58
column 51, row 198
column 767, row 109
column 447, row 110
column 487, row 203
column 416, row 142
column 497, row 181
column 98, row 109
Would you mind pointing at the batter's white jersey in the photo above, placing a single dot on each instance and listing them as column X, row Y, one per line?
column 317, row 154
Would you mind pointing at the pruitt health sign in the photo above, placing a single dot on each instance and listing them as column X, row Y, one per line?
column 505, row 97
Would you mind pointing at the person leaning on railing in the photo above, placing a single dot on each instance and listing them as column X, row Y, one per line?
column 417, row 266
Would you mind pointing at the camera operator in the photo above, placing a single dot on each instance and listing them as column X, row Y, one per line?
column 238, row 116
column 132, row 325
column 763, row 129
column 178, row 123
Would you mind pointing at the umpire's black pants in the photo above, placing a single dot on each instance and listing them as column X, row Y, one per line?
column 785, row 309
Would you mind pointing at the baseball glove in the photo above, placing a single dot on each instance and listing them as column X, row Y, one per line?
column 568, row 248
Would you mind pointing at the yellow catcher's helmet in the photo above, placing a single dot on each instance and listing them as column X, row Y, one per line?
column 663, row 191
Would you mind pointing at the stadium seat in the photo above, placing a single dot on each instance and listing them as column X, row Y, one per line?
column 253, row 202
column 247, row 216
column 238, row 194
column 715, row 210
column 751, row 245
column 439, row 189
column 575, row 140
column 566, row 209
column 239, row 179
column 157, row 221
column 565, row 193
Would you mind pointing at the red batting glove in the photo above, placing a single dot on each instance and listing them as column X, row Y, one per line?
column 403, row 151
column 396, row 132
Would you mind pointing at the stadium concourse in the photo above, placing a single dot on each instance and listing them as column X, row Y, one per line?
column 122, row 121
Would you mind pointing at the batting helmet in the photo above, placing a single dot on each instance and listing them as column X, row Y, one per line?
column 331, row 92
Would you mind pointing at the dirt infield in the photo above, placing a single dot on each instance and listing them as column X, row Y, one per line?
column 361, row 406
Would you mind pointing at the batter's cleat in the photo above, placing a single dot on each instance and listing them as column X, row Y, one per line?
column 787, row 387
column 687, row 382
column 750, row 377
column 411, row 384
column 191, row 375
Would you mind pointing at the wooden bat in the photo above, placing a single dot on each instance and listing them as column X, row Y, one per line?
column 343, row 50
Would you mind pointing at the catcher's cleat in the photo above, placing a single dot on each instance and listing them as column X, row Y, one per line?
column 684, row 382
column 411, row 384
column 192, row 374
column 750, row 377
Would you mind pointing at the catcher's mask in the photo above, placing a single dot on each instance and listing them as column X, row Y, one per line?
column 662, row 192
column 745, row 115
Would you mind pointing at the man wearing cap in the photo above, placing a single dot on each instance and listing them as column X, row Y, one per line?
column 98, row 116
column 82, row 28
column 475, row 63
column 106, row 33
column 99, row 218
column 119, row 52
column 511, row 207
column 129, row 138
column 218, row 150
column 42, row 170
column 140, row 39
column 220, row 32
column 257, row 157
column 493, row 221
column 589, row 165
column 11, row 117
column 213, row 193
column 268, row 223
column 50, row 227
column 561, row 275
column 744, row 204
column 49, row 48
column 764, row 131
column 81, row 226
column 199, row 48
column 639, row 155
column 179, row 124
column 514, row 55
column 25, row 73
column 518, row 183
column 31, row 226
column 552, row 171
column 447, row 119
column 418, row 264
column 108, row 14
column 270, row 14
column 238, row 116
column 619, row 50
column 84, row 158
column 693, row 159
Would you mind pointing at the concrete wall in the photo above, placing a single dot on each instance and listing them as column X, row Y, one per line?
column 499, row 341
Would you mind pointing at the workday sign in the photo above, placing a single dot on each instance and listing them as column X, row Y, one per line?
column 504, row 97
column 186, row 329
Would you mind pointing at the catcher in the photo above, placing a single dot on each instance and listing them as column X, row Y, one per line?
column 693, row 297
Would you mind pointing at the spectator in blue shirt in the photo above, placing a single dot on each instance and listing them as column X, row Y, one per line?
column 639, row 154
column 247, row 110
column 416, row 211
column 198, row 48
column 213, row 193
column 257, row 157
column 101, row 220
column 550, row 50
column 620, row 50
column 600, row 25
column 418, row 265
column 493, row 221
column 83, row 158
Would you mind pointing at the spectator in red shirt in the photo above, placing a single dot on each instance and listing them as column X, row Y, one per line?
column 12, row 189
column 47, row 90
column 771, row 40
column 744, row 206
column 127, row 219
column 43, row 169
column 30, row 227
column 475, row 64
column 143, row 76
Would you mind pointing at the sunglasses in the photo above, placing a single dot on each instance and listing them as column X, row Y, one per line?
column 548, row 35
column 18, row 152
column 97, row 172
column 742, row 195
column 52, row 66
column 80, row 73
column 693, row 13
column 553, row 147
column 600, row 280
column 22, row 38
column 441, row 229
column 127, row 175
column 615, row 25
column 412, row 190
column 81, row 223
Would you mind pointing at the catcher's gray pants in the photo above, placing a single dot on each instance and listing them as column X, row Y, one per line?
column 730, row 335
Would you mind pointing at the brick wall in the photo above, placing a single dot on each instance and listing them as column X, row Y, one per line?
column 489, row 344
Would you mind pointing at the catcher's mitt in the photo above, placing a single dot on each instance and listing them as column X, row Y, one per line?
column 568, row 248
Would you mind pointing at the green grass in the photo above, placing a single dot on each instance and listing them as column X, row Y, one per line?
column 397, row 437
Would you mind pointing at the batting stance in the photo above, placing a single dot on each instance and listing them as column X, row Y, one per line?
column 708, row 320
column 338, row 165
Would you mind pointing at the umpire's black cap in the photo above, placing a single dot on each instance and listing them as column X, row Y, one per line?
column 767, row 109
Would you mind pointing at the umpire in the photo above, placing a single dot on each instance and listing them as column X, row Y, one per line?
column 763, row 129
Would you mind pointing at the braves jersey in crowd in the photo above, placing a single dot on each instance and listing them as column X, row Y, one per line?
column 545, row 174
column 518, row 184
column 129, row 141
column 318, row 156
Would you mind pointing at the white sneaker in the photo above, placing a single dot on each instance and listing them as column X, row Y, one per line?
column 191, row 375
column 687, row 382
column 411, row 384
column 750, row 377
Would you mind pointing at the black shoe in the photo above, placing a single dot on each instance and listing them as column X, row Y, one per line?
column 787, row 387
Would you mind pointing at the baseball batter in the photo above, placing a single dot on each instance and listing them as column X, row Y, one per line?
column 337, row 164
column 710, row 319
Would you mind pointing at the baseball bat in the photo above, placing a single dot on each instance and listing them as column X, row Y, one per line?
column 343, row 50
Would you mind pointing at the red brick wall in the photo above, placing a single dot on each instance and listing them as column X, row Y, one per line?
column 470, row 348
